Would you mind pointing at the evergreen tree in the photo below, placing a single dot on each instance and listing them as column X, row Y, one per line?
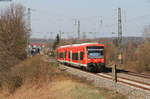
column 56, row 42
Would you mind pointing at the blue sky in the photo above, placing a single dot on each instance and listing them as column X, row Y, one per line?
column 53, row 15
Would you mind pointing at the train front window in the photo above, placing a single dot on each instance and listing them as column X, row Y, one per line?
column 95, row 52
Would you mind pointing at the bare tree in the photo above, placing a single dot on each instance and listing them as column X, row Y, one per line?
column 12, row 36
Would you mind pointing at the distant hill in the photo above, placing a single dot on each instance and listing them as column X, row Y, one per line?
column 38, row 40
column 136, row 40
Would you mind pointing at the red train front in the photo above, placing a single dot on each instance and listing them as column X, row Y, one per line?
column 87, row 56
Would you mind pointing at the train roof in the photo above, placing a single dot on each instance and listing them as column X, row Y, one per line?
column 73, row 45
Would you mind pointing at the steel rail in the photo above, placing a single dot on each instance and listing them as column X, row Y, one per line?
column 138, row 75
column 131, row 80
column 133, row 83
column 127, row 81
column 143, row 75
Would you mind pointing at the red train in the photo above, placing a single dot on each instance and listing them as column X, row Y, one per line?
column 87, row 56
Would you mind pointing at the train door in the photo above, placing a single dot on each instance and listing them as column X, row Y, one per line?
column 81, row 56
column 70, row 56
column 85, row 59
column 79, row 60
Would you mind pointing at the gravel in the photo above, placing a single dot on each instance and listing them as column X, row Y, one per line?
column 130, row 91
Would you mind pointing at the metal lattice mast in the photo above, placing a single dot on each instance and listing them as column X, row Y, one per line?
column 29, row 29
column 78, row 29
column 120, row 35
column 29, row 19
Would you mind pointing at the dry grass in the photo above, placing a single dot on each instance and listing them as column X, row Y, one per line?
column 32, row 70
column 65, row 89
column 37, row 79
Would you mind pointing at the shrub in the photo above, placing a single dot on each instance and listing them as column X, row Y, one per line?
column 13, row 36
column 143, row 56
column 33, row 71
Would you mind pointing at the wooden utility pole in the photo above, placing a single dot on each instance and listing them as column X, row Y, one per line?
column 114, row 73
column 114, row 77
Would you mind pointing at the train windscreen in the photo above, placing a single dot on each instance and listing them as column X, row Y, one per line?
column 95, row 52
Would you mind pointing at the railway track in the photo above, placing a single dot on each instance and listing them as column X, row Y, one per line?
column 141, row 79
column 134, row 83
column 132, row 88
column 147, row 76
column 124, row 80
column 128, row 81
column 139, row 75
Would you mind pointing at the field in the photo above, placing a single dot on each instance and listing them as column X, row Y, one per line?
column 37, row 79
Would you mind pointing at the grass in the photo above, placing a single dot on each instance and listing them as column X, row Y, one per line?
column 38, row 79
column 84, row 92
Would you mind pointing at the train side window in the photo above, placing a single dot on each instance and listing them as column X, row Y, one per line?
column 61, row 55
column 68, row 54
column 75, row 56
column 64, row 54
column 81, row 55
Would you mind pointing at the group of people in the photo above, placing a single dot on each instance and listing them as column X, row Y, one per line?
column 34, row 51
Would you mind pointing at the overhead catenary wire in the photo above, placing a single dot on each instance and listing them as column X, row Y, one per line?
column 90, row 23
